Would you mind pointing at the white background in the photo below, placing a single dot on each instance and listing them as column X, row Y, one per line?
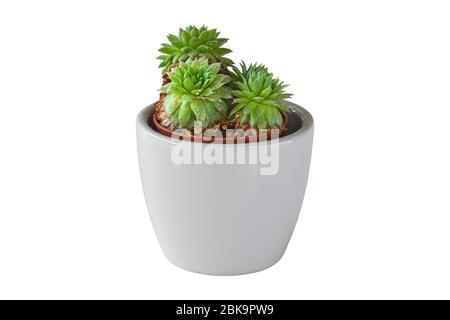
column 375, row 75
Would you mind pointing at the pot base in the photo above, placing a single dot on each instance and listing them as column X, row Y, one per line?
column 236, row 272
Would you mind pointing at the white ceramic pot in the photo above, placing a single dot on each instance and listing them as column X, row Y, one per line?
column 224, row 219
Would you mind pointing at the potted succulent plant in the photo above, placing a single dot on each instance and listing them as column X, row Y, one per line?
column 224, row 158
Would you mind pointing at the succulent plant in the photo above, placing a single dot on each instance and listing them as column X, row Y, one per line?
column 197, row 92
column 244, row 72
column 259, row 99
column 193, row 42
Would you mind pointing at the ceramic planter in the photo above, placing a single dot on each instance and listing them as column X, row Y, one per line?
column 224, row 218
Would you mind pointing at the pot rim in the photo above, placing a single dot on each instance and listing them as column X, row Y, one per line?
column 306, row 117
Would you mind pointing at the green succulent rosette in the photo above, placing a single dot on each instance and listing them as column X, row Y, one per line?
column 193, row 42
column 197, row 92
column 259, row 97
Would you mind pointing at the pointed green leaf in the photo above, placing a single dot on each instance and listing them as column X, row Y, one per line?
column 167, row 50
column 187, row 83
column 271, row 117
column 283, row 107
column 184, row 115
column 185, row 38
column 249, row 94
column 262, row 123
column 237, row 108
column 244, row 116
column 279, row 119
column 237, row 93
column 257, row 85
column 224, row 93
column 253, row 119
column 171, row 104
column 212, row 114
column 221, row 107
column 240, row 100
column 266, row 92
column 173, row 39
column 203, row 36
column 207, row 92
column 199, row 109
column 214, row 68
